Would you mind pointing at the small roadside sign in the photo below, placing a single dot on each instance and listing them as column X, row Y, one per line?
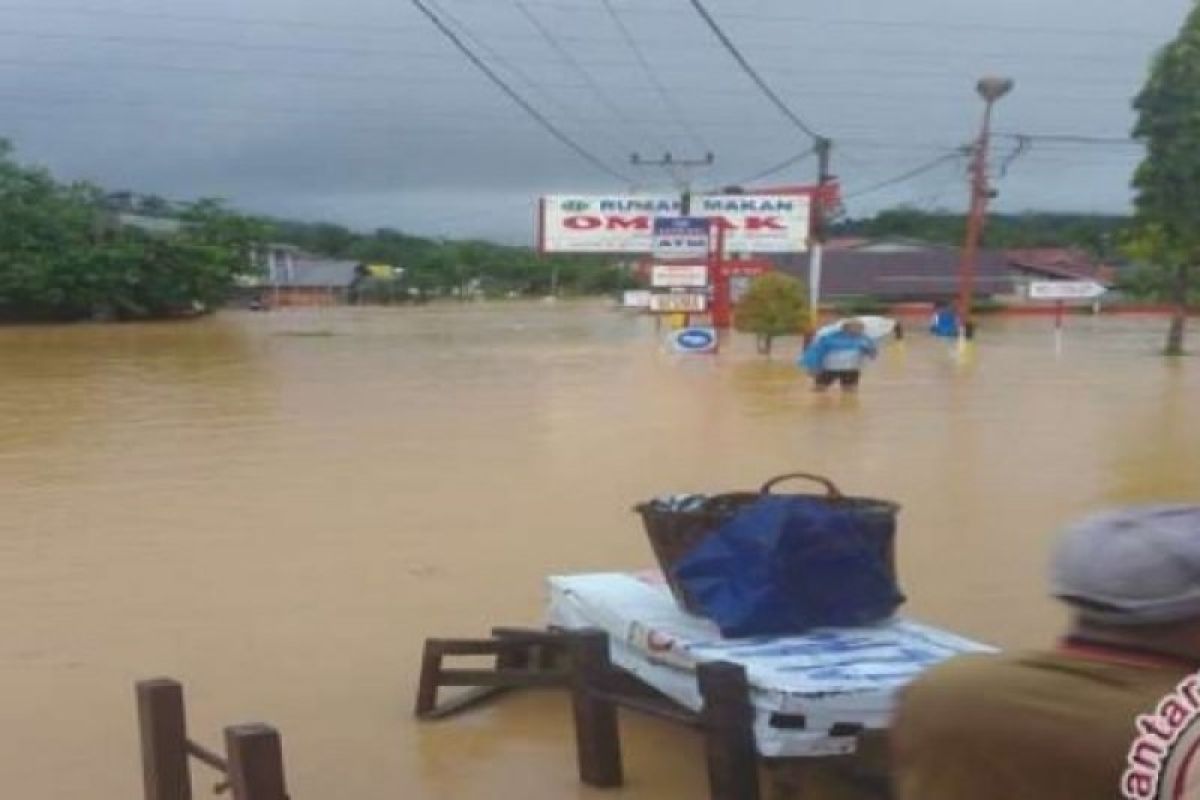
column 690, row 303
column 680, row 237
column 679, row 276
column 1065, row 290
column 695, row 340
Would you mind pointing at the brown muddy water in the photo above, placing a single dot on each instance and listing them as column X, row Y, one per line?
column 277, row 508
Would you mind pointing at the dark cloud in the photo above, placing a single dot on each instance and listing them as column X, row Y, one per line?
column 363, row 114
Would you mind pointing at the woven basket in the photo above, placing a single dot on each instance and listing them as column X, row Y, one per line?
column 673, row 534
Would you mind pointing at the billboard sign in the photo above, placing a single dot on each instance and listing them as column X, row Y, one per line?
column 680, row 237
column 752, row 223
column 689, row 303
column 679, row 276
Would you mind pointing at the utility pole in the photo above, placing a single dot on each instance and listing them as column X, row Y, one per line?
column 990, row 89
column 678, row 169
column 824, row 148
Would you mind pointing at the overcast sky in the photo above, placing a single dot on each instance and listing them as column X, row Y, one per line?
column 360, row 112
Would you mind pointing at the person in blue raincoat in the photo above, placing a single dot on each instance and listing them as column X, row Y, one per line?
column 944, row 322
column 839, row 356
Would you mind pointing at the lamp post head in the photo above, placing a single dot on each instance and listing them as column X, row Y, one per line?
column 993, row 88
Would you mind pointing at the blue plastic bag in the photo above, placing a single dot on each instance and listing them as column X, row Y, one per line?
column 785, row 565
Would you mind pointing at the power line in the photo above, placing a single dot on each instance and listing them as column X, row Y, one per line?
column 677, row 64
column 1071, row 138
column 1020, row 148
column 668, row 101
column 517, row 98
column 910, row 174
column 506, row 63
column 749, row 70
column 922, row 25
column 323, row 75
column 578, row 68
column 777, row 168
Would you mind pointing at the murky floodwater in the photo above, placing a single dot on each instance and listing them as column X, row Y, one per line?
column 277, row 508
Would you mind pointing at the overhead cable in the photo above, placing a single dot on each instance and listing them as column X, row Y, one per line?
column 565, row 54
column 910, row 174
column 503, row 85
column 780, row 167
column 1071, row 138
column 753, row 73
column 667, row 100
column 498, row 59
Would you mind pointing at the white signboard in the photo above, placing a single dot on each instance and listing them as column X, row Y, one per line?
column 753, row 223
column 679, row 276
column 1065, row 290
column 635, row 298
column 678, row 303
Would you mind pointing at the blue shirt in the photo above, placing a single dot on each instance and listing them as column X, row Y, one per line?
column 838, row 351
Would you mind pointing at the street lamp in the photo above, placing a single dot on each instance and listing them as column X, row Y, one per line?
column 991, row 89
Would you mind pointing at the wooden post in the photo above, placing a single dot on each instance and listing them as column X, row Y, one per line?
column 162, row 725
column 729, row 745
column 255, row 762
column 597, row 739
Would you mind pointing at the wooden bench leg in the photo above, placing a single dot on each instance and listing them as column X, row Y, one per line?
column 728, row 718
column 255, row 763
column 597, row 738
column 163, row 728
column 431, row 673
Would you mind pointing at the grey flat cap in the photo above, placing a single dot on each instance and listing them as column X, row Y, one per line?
column 1132, row 566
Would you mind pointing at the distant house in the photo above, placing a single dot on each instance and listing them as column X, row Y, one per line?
column 294, row 277
column 1057, row 264
column 899, row 270
column 156, row 226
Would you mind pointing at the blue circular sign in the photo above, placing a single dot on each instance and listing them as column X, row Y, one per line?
column 696, row 340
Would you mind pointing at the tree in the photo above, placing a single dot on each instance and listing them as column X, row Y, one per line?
column 1167, row 220
column 63, row 256
column 775, row 305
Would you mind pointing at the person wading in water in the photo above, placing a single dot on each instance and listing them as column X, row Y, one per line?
column 839, row 356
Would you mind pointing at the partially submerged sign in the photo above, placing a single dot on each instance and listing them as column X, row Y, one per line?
column 679, row 276
column 752, row 223
column 1065, row 290
column 683, row 303
column 635, row 298
column 695, row 340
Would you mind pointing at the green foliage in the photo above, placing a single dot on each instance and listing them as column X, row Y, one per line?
column 774, row 305
column 1167, row 223
column 1096, row 234
column 62, row 259
column 861, row 305
column 435, row 267
column 987, row 306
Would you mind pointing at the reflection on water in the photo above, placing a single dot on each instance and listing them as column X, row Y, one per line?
column 277, row 508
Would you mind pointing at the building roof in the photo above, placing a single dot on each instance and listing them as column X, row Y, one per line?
column 316, row 272
column 154, row 225
column 1060, row 262
column 902, row 272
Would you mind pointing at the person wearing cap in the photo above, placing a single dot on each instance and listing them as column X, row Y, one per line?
column 1059, row 724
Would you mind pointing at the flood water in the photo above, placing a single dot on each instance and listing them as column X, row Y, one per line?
column 277, row 508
